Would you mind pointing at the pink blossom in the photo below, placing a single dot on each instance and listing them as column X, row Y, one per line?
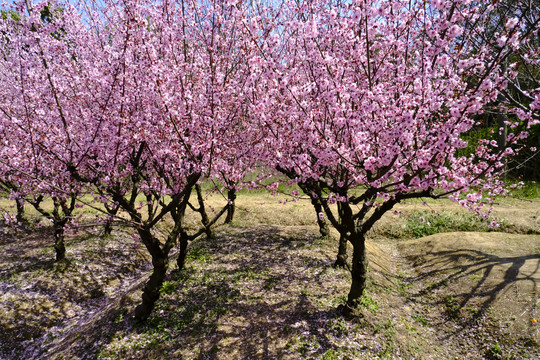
column 455, row 30
column 511, row 22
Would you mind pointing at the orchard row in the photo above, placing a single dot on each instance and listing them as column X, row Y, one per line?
column 131, row 99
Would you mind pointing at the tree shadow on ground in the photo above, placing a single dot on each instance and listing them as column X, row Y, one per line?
column 26, row 252
column 260, row 263
column 249, row 293
column 477, row 280
column 43, row 299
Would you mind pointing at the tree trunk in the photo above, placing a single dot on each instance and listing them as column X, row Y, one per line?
column 20, row 210
column 151, row 290
column 59, row 245
column 160, row 263
column 231, row 195
column 204, row 216
column 323, row 225
column 181, row 259
column 107, row 229
column 109, row 221
column 341, row 259
column 346, row 219
column 358, row 271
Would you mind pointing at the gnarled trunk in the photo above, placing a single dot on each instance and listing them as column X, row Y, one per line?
column 60, row 216
column 323, row 225
column 151, row 290
column 182, row 253
column 20, row 210
column 204, row 216
column 346, row 220
column 107, row 229
column 160, row 263
column 341, row 258
column 359, row 270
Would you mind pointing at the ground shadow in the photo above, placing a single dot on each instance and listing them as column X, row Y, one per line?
column 243, row 293
column 475, row 279
column 43, row 299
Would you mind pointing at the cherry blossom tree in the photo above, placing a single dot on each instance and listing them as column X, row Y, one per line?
column 31, row 164
column 363, row 104
column 509, row 17
column 133, row 103
column 187, row 81
column 367, row 102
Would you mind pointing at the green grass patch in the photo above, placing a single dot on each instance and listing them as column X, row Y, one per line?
column 420, row 318
column 199, row 254
column 167, row 287
column 494, row 352
column 452, row 307
column 369, row 304
column 425, row 223
column 530, row 190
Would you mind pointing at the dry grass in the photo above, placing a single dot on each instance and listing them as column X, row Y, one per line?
column 264, row 288
column 486, row 283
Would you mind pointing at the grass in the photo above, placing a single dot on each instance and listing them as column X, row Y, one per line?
column 264, row 287
column 388, row 329
column 494, row 352
column 369, row 304
column 530, row 190
column 208, row 300
column 425, row 223
column 330, row 355
column 420, row 318
column 167, row 288
column 284, row 297
column 452, row 307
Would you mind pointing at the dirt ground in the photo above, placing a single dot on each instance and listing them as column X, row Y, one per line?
column 264, row 288
column 487, row 283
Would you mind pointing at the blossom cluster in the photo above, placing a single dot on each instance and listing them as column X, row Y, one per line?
column 362, row 93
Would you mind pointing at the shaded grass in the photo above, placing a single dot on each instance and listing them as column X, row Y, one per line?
column 265, row 292
column 41, row 299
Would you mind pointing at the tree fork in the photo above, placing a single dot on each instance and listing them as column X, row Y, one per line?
column 202, row 210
